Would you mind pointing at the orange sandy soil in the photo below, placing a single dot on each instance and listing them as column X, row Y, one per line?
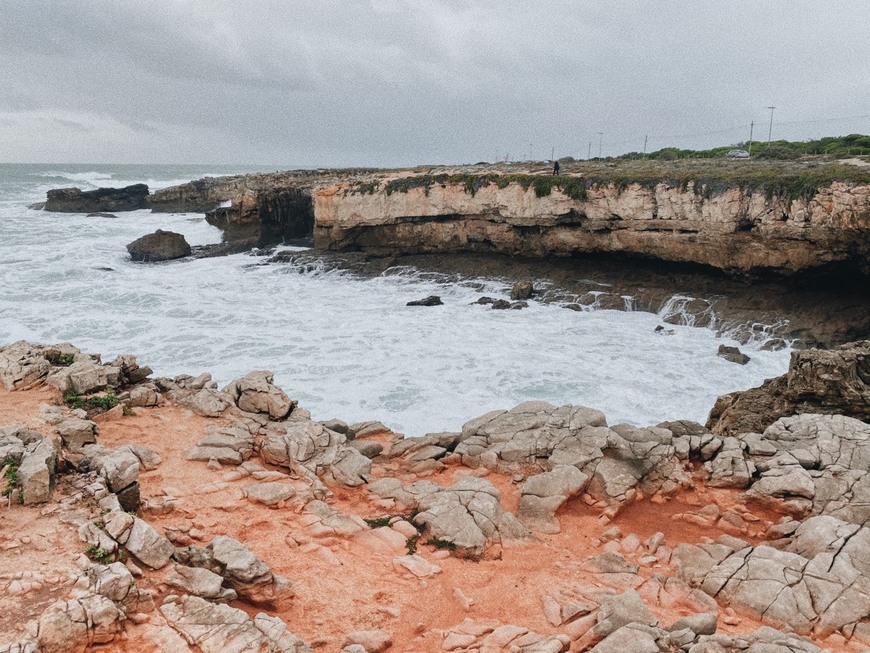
column 342, row 584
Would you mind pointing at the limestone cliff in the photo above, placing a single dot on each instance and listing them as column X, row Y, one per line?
column 737, row 230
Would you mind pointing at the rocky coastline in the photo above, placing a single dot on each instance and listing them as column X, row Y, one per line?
column 746, row 246
column 167, row 514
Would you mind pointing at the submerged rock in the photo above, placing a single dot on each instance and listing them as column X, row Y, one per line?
column 431, row 300
column 159, row 246
column 733, row 355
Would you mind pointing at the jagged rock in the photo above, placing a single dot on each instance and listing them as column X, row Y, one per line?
column 340, row 427
column 145, row 395
column 328, row 520
column 83, row 377
column 75, row 624
column 140, row 539
column 367, row 448
column 763, row 640
column 631, row 637
column 75, row 200
column 77, row 433
column 200, row 394
column 159, row 246
column 130, row 372
column 116, row 583
column 309, row 449
column 223, row 629
column 120, row 467
column 432, row 300
column 732, row 355
column 37, row 472
column 200, row 582
column 256, row 393
column 467, row 514
column 834, row 381
column 244, row 572
column 23, row 365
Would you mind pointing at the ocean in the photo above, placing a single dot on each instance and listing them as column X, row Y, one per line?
column 344, row 346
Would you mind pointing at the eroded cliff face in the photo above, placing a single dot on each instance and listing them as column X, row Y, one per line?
column 733, row 229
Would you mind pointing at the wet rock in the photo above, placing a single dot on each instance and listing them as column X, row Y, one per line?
column 522, row 290
column 431, row 300
column 732, row 354
column 159, row 246
column 501, row 304
column 75, row 200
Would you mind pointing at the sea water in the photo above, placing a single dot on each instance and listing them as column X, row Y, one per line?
column 344, row 346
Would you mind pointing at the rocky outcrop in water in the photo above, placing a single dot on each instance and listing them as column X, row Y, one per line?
column 835, row 381
column 74, row 200
column 159, row 246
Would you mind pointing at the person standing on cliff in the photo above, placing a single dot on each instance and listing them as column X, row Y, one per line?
column 556, row 167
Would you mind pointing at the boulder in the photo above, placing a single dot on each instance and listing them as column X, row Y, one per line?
column 431, row 300
column 256, row 393
column 140, row 539
column 159, row 246
column 36, row 472
column 200, row 582
column 522, row 290
column 75, row 200
column 732, row 354
column 77, row 433
column 244, row 572
column 84, row 377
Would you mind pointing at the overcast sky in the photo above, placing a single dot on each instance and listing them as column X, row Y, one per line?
column 401, row 82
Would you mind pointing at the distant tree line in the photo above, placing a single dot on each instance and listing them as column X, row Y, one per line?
column 831, row 146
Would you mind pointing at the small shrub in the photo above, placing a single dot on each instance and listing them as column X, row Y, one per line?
column 103, row 402
column 72, row 399
column 379, row 522
column 439, row 543
column 62, row 360
column 13, row 480
column 97, row 554
column 411, row 544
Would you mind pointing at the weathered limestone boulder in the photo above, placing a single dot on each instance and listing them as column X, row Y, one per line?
column 159, row 246
column 22, row 365
column 200, row 582
column 310, row 449
column 244, row 572
column 543, row 494
column 198, row 393
column 226, row 444
column 222, row 629
column 269, row 494
column 37, row 472
column 83, row 377
column 140, row 539
column 256, row 393
column 468, row 513
column 75, row 200
column 833, row 381
column 120, row 469
column 76, row 433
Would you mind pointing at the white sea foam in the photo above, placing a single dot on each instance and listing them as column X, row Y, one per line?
column 345, row 346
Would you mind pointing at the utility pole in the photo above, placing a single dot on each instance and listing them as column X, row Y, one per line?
column 530, row 150
column 600, row 138
column 553, row 153
column 646, row 136
column 751, row 127
column 770, row 129
column 589, row 153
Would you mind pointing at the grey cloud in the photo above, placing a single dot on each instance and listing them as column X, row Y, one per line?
column 403, row 81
